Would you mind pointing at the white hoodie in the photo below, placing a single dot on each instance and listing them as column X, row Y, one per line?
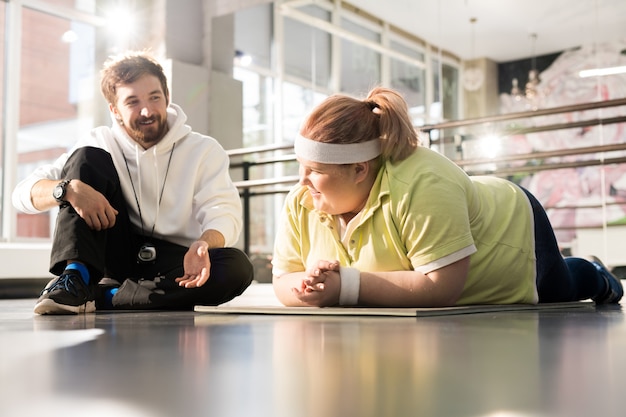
column 198, row 194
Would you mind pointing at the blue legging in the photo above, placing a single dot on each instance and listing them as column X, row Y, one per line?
column 560, row 279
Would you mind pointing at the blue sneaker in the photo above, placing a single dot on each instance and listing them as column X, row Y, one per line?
column 615, row 290
column 67, row 294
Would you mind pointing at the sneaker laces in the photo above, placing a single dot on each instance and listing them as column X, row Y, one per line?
column 66, row 283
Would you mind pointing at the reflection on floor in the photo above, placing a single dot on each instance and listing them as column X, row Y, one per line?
column 508, row 364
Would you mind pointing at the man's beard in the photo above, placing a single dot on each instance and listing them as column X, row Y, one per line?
column 148, row 136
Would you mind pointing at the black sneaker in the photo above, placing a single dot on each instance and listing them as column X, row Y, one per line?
column 615, row 290
column 67, row 294
column 104, row 286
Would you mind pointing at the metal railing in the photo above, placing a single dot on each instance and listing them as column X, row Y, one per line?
column 247, row 186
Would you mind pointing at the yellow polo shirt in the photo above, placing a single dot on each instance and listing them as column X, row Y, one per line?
column 422, row 214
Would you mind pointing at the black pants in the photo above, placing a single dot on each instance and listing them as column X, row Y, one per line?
column 112, row 253
column 560, row 279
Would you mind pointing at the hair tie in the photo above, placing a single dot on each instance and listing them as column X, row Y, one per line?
column 374, row 107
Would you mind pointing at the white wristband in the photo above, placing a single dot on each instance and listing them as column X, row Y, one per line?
column 350, row 285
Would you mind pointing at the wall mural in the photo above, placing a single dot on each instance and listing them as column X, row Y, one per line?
column 600, row 187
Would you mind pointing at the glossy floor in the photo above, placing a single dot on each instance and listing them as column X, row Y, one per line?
column 509, row 364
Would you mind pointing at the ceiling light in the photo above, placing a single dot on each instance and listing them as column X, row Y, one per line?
column 242, row 59
column 473, row 75
column 121, row 25
column 531, row 90
column 533, row 74
column 69, row 37
column 599, row 72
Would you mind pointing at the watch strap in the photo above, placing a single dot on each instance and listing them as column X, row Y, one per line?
column 63, row 186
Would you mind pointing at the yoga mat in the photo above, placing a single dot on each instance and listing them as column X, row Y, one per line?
column 385, row 311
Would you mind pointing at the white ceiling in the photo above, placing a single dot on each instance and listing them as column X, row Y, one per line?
column 502, row 31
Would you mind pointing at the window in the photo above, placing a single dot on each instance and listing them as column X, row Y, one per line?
column 410, row 80
column 56, row 97
column 308, row 51
column 360, row 65
column 445, row 105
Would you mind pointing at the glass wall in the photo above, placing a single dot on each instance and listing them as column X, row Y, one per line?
column 360, row 65
column 56, row 97
column 308, row 59
column 321, row 49
column 445, row 80
column 410, row 79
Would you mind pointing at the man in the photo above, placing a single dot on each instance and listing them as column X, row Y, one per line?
column 146, row 207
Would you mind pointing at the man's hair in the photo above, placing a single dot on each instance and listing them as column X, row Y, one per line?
column 128, row 68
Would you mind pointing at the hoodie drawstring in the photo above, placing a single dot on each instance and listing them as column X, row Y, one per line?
column 138, row 199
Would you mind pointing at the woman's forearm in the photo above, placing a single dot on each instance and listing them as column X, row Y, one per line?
column 439, row 288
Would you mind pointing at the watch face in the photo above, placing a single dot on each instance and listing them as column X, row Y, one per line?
column 59, row 191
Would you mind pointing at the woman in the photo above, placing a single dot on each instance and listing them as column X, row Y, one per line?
column 378, row 220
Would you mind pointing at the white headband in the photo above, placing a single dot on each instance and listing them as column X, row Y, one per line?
column 336, row 153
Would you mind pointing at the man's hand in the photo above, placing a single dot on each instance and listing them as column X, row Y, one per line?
column 197, row 266
column 91, row 205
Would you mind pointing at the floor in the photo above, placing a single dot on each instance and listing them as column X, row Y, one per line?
column 509, row 364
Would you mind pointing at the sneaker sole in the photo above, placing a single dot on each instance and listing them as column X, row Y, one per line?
column 48, row 306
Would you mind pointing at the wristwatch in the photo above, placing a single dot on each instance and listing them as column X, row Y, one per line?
column 60, row 190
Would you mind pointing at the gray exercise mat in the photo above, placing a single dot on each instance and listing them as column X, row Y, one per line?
column 385, row 311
